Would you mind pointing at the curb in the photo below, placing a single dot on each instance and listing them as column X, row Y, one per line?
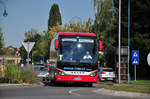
column 122, row 93
column 6, row 85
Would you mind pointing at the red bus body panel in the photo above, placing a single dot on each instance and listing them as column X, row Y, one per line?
column 80, row 34
column 70, row 78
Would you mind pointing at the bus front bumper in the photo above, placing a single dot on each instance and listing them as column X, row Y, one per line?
column 76, row 78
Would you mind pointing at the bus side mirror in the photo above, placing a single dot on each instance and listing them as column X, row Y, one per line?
column 56, row 44
column 100, row 45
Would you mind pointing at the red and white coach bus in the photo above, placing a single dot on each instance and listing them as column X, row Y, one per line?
column 74, row 57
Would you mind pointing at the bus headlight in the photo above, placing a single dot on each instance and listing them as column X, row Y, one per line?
column 93, row 74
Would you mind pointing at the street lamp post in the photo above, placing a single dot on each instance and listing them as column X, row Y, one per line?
column 119, row 39
column 119, row 35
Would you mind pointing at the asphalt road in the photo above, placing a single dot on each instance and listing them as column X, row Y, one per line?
column 67, row 91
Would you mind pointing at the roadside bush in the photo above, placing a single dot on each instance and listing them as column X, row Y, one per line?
column 0, row 72
column 15, row 81
column 28, row 76
column 13, row 74
column 3, row 80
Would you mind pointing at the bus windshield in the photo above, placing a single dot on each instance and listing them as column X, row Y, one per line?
column 77, row 50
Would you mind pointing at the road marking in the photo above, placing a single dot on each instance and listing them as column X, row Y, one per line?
column 73, row 92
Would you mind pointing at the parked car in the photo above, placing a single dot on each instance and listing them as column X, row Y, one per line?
column 38, row 67
column 43, row 75
column 106, row 74
column 41, row 72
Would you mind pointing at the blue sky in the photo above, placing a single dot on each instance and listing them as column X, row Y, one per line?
column 26, row 14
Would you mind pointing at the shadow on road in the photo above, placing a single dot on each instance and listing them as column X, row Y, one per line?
column 68, row 84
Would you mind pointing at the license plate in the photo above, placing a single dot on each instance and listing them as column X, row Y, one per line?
column 109, row 79
column 77, row 78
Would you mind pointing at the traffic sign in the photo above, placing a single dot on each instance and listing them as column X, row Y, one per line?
column 135, row 53
column 135, row 61
column 135, row 57
column 148, row 59
column 28, row 46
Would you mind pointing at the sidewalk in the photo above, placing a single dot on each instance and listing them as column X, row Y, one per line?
column 122, row 93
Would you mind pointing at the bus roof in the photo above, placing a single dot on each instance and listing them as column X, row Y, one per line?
column 76, row 33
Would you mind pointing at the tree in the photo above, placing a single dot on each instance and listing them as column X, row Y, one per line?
column 139, row 34
column 23, row 54
column 41, row 51
column 1, row 41
column 32, row 36
column 76, row 27
column 105, row 26
column 54, row 16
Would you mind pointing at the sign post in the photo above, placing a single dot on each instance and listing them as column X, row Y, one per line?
column 28, row 46
column 135, row 72
column 135, row 60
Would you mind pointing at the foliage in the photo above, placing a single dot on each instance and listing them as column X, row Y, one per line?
column 32, row 36
column 3, row 80
column 11, row 72
column 0, row 71
column 1, row 41
column 41, row 51
column 101, row 58
column 54, row 16
column 14, row 74
column 75, row 27
column 10, row 51
column 106, row 29
column 23, row 54
column 140, row 34
column 28, row 76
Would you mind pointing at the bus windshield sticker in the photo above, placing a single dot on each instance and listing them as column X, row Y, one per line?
column 69, row 39
column 86, row 40
column 60, row 56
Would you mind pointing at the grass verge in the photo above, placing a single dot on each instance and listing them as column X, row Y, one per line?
column 141, row 86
